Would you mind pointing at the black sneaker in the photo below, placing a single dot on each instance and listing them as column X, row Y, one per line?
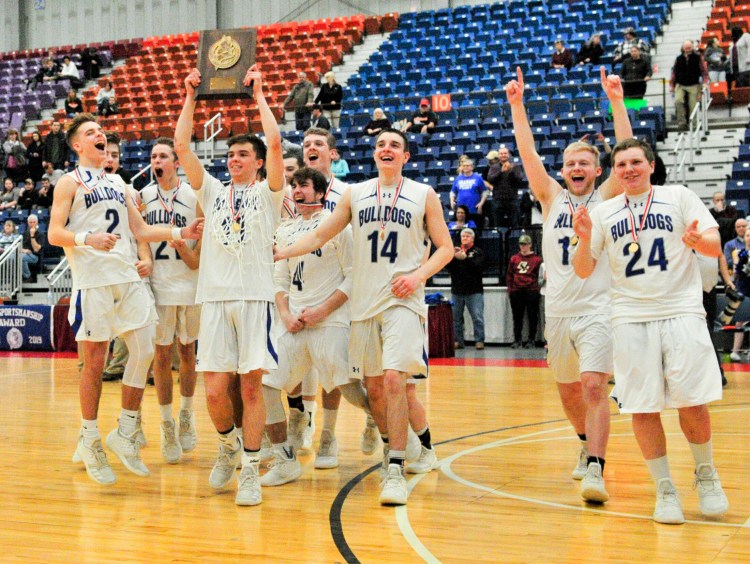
column 516, row 345
column 528, row 345
column 111, row 376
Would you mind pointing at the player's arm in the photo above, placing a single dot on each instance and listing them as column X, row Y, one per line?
column 405, row 285
column 184, row 131
column 58, row 234
column 154, row 233
column 145, row 263
column 612, row 86
column 191, row 257
column 282, row 279
column 333, row 224
column 544, row 187
column 724, row 271
column 583, row 261
column 707, row 242
column 274, row 154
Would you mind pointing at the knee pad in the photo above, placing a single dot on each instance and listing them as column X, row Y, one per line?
column 140, row 343
column 274, row 408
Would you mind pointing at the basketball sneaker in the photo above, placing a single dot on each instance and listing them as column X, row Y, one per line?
column 296, row 428
column 188, row 433
column 128, row 451
column 426, row 463
column 413, row 445
column 95, row 460
column 285, row 468
column 711, row 497
column 309, row 430
column 171, row 449
column 583, row 464
column 225, row 465
column 668, row 508
column 266, row 448
column 370, row 437
column 140, row 437
column 592, row 485
column 393, row 487
column 328, row 451
column 248, row 488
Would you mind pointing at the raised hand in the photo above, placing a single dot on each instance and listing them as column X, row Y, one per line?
column 582, row 223
column 514, row 89
column 192, row 81
column 612, row 85
column 194, row 230
column 254, row 80
column 692, row 235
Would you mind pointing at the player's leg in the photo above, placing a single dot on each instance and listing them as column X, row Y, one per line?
column 253, row 425
column 221, row 410
column 187, row 333
column 285, row 467
column 427, row 460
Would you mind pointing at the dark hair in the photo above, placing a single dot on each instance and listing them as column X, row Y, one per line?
column 113, row 137
column 330, row 139
column 737, row 33
column 294, row 155
column 634, row 144
column 168, row 141
column 317, row 107
column 258, row 146
column 397, row 132
column 464, row 208
column 320, row 185
column 77, row 122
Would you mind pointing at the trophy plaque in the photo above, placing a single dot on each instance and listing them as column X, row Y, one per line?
column 224, row 56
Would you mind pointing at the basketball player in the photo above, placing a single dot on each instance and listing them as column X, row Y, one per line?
column 235, row 282
column 577, row 311
column 663, row 355
column 391, row 219
column 93, row 218
column 170, row 201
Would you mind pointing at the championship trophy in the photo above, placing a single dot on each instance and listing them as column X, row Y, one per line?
column 224, row 56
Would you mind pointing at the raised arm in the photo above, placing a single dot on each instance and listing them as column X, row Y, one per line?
column 583, row 262
column 612, row 86
column 184, row 131
column 274, row 154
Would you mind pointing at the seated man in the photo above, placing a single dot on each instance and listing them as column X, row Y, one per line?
column 424, row 120
column 33, row 241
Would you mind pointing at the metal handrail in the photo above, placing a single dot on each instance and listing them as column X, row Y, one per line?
column 11, row 269
column 689, row 143
column 215, row 125
column 142, row 172
column 60, row 282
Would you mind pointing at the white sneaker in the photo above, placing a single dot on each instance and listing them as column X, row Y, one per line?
column 583, row 464
column 171, row 449
column 140, row 437
column 592, row 485
column 711, row 497
column 224, row 467
column 426, row 463
column 370, row 437
column 128, row 451
column 266, row 448
column 309, row 430
column 735, row 357
column 668, row 508
column 188, row 432
column 285, row 468
column 328, row 451
column 248, row 488
column 296, row 427
column 95, row 460
column 413, row 445
column 242, row 447
column 393, row 487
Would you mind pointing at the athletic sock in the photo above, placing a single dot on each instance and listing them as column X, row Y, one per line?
column 424, row 438
column 308, row 405
column 384, row 438
column 250, row 457
column 659, row 468
column 591, row 459
column 90, row 430
column 166, row 412
column 582, row 437
column 329, row 420
column 702, row 454
column 295, row 402
column 128, row 421
column 397, row 457
column 186, row 402
column 229, row 438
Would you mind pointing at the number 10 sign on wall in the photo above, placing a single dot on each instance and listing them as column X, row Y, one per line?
column 441, row 102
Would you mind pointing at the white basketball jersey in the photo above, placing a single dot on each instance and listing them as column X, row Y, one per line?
column 660, row 278
column 237, row 264
column 567, row 295
column 99, row 206
column 312, row 278
column 384, row 253
column 335, row 190
column 172, row 281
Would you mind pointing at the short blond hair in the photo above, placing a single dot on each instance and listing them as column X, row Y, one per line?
column 582, row 146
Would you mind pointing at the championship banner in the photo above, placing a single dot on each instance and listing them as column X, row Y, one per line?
column 27, row 328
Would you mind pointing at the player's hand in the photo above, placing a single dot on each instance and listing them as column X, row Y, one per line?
column 514, row 89
column 253, row 79
column 278, row 254
column 405, row 285
column 192, row 81
column 179, row 245
column 194, row 230
column 582, row 223
column 692, row 236
column 101, row 241
column 311, row 316
column 292, row 324
column 144, row 268
column 612, row 85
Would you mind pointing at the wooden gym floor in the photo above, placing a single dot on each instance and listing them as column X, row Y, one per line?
column 503, row 492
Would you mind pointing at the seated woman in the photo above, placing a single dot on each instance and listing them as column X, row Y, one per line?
column 73, row 104
column 378, row 123
column 460, row 222
column 105, row 100
column 591, row 51
column 9, row 234
column 9, row 195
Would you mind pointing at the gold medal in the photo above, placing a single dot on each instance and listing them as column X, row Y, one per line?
column 382, row 234
column 633, row 247
column 236, row 226
column 574, row 240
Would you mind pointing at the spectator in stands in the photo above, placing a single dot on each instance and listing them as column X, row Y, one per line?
column 330, row 97
column 45, row 195
column 731, row 248
column 73, row 104
column 505, row 180
column 522, row 279
column 339, row 166
column 717, row 60
column 56, row 148
column 562, row 58
column 69, row 71
column 460, row 222
column 659, row 176
column 47, row 73
column 91, row 62
column 35, row 156
column 467, row 290
column 15, row 156
column 469, row 190
column 740, row 56
column 9, row 234
column 112, row 160
column 423, row 120
column 33, row 241
column 687, row 73
column 292, row 163
column 378, row 123
column 300, row 99
column 622, row 51
column 635, row 71
column 591, row 51
column 9, row 195
column 52, row 174
column 317, row 119
column 27, row 197
column 106, row 103
column 56, row 62
column 742, row 284
column 605, row 159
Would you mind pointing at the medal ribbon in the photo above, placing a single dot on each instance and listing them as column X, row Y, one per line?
column 570, row 204
column 169, row 209
column 383, row 220
column 649, row 201
column 235, row 214
column 330, row 185
column 82, row 182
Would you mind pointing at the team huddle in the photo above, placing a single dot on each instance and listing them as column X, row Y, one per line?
column 290, row 281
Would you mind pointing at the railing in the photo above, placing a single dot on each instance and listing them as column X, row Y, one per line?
column 142, row 172
column 689, row 142
column 214, row 126
column 11, row 270
column 60, row 282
